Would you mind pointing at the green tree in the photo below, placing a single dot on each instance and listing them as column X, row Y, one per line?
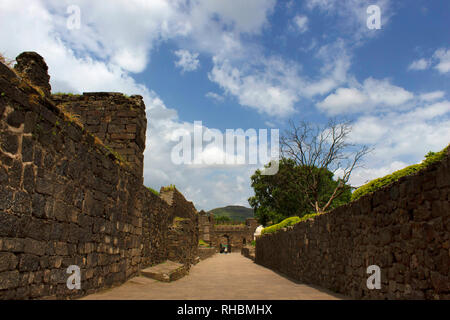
column 282, row 195
column 322, row 151
column 222, row 219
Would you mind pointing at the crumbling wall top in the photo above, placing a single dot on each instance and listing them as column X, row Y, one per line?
column 32, row 67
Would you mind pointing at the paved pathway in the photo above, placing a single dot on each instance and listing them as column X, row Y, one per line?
column 223, row 276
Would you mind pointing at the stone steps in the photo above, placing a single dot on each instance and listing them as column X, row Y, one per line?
column 166, row 271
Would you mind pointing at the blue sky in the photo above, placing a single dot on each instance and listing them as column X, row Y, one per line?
column 252, row 64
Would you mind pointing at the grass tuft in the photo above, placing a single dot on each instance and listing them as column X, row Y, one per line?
column 168, row 188
column 153, row 191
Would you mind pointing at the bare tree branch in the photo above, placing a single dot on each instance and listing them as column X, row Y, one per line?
column 315, row 148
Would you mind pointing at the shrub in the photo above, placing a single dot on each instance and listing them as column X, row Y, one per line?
column 153, row 191
column 288, row 222
column 376, row 184
column 168, row 188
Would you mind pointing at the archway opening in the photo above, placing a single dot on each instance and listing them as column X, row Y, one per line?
column 225, row 243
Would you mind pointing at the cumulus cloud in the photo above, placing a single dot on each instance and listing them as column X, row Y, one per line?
column 116, row 41
column 440, row 61
column 400, row 138
column 372, row 95
column 334, row 72
column 443, row 57
column 431, row 96
column 420, row 64
column 272, row 91
column 215, row 96
column 351, row 15
column 187, row 61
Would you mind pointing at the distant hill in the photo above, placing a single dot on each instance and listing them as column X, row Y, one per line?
column 236, row 213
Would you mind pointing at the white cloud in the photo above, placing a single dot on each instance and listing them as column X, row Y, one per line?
column 215, row 96
column 420, row 64
column 187, row 61
column 400, row 138
column 372, row 95
column 114, row 41
column 272, row 91
column 343, row 100
column 431, row 96
column 351, row 15
column 363, row 175
column 443, row 55
column 334, row 72
column 440, row 61
column 301, row 23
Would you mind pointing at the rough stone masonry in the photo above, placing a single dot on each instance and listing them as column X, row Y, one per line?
column 71, row 189
column 403, row 228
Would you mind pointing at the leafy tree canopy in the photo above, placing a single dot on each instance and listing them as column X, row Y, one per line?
column 280, row 196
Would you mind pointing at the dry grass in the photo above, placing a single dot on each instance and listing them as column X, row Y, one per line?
column 25, row 84
column 70, row 116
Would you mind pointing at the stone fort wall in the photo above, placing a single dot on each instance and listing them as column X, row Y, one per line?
column 66, row 197
column 236, row 234
column 403, row 228
column 117, row 120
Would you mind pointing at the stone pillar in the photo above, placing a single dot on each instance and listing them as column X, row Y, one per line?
column 32, row 67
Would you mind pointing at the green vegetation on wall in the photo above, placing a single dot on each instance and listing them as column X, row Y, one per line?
column 288, row 222
column 153, row 191
column 376, row 184
column 202, row 243
column 168, row 188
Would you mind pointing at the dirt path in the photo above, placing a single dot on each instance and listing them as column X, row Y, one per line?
column 228, row 277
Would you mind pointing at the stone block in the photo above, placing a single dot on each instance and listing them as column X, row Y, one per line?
column 35, row 247
column 29, row 262
column 9, row 279
column 8, row 261
column 9, row 142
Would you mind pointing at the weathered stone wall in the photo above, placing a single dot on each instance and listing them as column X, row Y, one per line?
column 248, row 252
column 182, row 238
column 118, row 121
column 66, row 199
column 183, row 242
column 403, row 228
column 205, row 253
column 234, row 233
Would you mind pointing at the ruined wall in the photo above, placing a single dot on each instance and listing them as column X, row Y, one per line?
column 235, row 233
column 205, row 253
column 67, row 199
column 183, row 233
column 403, row 228
column 117, row 120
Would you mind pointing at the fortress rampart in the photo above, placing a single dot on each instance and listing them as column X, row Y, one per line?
column 71, row 189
